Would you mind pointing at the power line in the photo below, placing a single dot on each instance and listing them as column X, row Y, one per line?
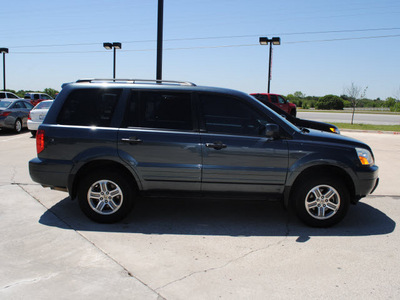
column 214, row 47
column 216, row 37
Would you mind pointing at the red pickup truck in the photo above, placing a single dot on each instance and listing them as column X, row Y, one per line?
column 278, row 100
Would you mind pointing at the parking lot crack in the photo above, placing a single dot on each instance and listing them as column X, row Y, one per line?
column 29, row 281
column 244, row 255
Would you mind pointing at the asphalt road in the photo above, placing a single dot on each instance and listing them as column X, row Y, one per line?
column 359, row 118
column 180, row 249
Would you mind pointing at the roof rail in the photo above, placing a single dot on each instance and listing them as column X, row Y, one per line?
column 147, row 81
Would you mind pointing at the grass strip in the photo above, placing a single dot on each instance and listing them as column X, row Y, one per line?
column 395, row 128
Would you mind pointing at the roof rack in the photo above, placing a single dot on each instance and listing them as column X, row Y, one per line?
column 146, row 81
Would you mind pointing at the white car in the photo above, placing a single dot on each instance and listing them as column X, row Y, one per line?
column 37, row 115
column 8, row 95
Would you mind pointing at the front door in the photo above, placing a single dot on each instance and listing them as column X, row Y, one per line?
column 237, row 156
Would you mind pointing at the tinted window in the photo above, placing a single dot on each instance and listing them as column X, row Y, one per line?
column 2, row 95
column 281, row 100
column 89, row 107
column 163, row 110
column 231, row 116
column 274, row 98
column 12, row 96
column 27, row 105
column 18, row 104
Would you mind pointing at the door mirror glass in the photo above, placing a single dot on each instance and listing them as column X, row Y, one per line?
column 272, row 131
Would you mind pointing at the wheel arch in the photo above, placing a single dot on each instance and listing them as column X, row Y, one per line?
column 318, row 170
column 94, row 165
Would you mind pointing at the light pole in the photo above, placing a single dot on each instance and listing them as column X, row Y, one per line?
column 4, row 51
column 114, row 46
column 265, row 41
column 160, row 39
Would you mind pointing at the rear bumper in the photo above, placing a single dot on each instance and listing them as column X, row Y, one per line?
column 32, row 125
column 50, row 173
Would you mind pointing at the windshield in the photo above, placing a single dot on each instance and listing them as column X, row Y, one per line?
column 4, row 104
column 294, row 127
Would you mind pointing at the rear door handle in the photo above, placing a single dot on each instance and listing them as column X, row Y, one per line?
column 216, row 145
column 133, row 140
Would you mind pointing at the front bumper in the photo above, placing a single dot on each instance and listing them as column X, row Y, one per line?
column 367, row 182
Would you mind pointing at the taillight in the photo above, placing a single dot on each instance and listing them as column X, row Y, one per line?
column 29, row 116
column 5, row 113
column 39, row 141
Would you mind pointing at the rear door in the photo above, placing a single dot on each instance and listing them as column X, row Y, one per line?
column 237, row 156
column 160, row 140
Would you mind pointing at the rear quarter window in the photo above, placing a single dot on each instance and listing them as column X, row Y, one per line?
column 89, row 107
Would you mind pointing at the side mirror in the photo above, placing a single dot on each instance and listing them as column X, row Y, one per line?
column 272, row 131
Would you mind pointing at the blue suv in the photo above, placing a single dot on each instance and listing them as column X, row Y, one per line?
column 107, row 142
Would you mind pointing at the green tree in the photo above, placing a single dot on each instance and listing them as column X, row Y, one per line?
column 355, row 93
column 51, row 92
column 330, row 102
column 299, row 95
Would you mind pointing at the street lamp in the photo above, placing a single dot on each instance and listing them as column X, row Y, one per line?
column 4, row 51
column 114, row 46
column 265, row 41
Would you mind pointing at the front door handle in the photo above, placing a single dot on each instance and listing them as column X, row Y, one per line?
column 132, row 140
column 216, row 145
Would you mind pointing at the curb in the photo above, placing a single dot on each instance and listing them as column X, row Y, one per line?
column 370, row 131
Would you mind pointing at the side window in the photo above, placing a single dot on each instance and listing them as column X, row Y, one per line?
column 2, row 95
column 89, row 107
column 164, row 110
column 228, row 115
column 281, row 100
column 11, row 96
column 274, row 98
column 27, row 105
column 18, row 105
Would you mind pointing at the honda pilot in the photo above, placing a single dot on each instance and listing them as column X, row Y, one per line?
column 108, row 142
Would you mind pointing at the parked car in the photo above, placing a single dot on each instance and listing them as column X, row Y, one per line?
column 277, row 100
column 37, row 115
column 302, row 123
column 35, row 98
column 107, row 142
column 14, row 114
column 8, row 95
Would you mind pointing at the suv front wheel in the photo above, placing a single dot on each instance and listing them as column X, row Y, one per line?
column 321, row 201
column 105, row 196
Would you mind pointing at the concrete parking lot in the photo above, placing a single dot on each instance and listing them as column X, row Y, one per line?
column 180, row 249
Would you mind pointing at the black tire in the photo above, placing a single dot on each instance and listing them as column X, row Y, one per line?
column 321, row 201
column 33, row 132
column 293, row 113
column 18, row 126
column 112, row 196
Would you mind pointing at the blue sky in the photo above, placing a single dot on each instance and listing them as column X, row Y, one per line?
column 325, row 45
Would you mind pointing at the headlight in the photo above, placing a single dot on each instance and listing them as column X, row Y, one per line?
column 365, row 157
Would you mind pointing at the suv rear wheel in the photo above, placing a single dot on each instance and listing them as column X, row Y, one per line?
column 321, row 201
column 105, row 196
